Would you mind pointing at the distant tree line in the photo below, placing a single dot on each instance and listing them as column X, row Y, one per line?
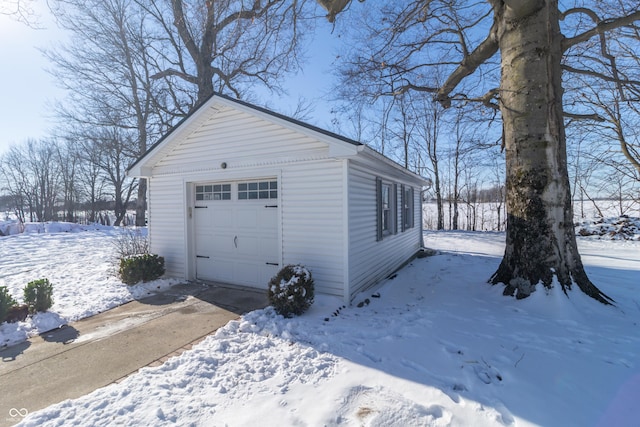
column 47, row 181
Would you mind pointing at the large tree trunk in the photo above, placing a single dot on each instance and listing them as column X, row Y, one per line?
column 141, row 203
column 541, row 243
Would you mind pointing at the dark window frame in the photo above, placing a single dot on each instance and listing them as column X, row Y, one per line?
column 387, row 217
column 407, row 203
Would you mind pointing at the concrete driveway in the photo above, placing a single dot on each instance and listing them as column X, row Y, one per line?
column 76, row 359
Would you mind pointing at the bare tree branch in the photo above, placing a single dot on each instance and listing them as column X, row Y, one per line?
column 600, row 28
column 594, row 116
column 468, row 65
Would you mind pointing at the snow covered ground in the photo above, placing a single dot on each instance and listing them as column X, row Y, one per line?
column 78, row 261
column 434, row 346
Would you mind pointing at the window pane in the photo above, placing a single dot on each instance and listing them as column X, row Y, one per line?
column 199, row 188
column 199, row 196
column 226, row 187
column 258, row 190
column 226, row 196
column 208, row 188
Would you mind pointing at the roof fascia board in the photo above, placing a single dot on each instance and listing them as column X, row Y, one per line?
column 370, row 152
column 143, row 166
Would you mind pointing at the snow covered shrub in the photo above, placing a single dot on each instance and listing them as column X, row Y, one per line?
column 291, row 290
column 38, row 295
column 6, row 302
column 145, row 267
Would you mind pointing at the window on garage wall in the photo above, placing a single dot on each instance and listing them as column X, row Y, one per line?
column 406, row 194
column 386, row 195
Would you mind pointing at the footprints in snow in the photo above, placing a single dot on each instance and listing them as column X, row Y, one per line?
column 483, row 370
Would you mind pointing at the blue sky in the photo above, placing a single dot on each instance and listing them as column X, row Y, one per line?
column 25, row 88
column 27, row 91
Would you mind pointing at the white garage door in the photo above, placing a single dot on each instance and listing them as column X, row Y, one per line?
column 236, row 231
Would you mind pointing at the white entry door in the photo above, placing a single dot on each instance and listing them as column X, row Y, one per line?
column 236, row 232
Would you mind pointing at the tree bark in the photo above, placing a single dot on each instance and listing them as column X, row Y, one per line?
column 540, row 242
column 141, row 203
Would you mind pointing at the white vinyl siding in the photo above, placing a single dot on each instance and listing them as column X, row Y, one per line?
column 241, row 141
column 312, row 220
column 370, row 260
column 167, row 231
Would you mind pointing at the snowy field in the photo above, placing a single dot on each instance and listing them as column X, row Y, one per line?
column 80, row 263
column 435, row 346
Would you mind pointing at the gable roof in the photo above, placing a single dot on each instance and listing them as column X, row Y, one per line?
column 339, row 145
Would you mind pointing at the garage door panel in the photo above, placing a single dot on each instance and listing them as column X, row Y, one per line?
column 222, row 270
column 203, row 219
column 268, row 248
column 248, row 245
column 267, row 271
column 204, row 245
column 222, row 245
column 223, row 216
column 238, row 235
column 268, row 217
column 205, row 268
column 247, row 217
column 246, row 273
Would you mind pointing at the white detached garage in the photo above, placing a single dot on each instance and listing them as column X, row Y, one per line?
column 235, row 192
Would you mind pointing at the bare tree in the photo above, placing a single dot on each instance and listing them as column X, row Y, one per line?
column 110, row 150
column 106, row 67
column 16, row 182
column 226, row 46
column 20, row 10
column 92, row 181
column 429, row 117
column 525, row 38
column 32, row 176
column 68, row 160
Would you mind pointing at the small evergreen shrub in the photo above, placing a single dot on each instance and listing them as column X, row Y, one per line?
column 6, row 302
column 145, row 267
column 291, row 290
column 38, row 295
